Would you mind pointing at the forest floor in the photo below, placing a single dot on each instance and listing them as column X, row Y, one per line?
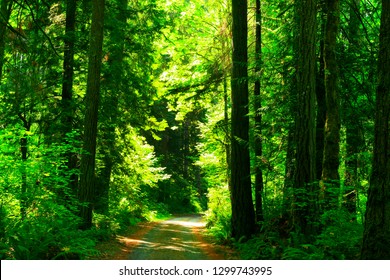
column 178, row 238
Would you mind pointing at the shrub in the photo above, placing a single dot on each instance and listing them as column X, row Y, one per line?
column 341, row 235
column 218, row 215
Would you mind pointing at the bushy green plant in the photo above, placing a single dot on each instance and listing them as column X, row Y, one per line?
column 105, row 226
column 260, row 248
column 303, row 252
column 47, row 227
column 218, row 215
column 49, row 232
column 341, row 235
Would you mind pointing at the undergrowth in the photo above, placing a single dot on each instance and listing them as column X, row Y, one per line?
column 339, row 238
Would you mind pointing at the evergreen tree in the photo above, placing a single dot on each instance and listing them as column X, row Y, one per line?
column 258, row 149
column 243, row 216
column 376, row 238
column 304, row 206
column 330, row 169
column 87, row 177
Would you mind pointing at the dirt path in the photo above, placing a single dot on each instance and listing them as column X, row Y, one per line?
column 174, row 239
column 179, row 238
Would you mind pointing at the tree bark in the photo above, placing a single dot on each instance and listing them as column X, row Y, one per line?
column 227, row 135
column 87, row 177
column 258, row 149
column 243, row 216
column 24, row 152
column 330, row 170
column 304, row 207
column 352, row 126
column 321, row 98
column 376, row 237
column 111, row 106
column 67, row 105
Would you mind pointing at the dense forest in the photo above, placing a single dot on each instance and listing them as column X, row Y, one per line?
column 271, row 118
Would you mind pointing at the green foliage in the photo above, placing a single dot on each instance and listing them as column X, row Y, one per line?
column 49, row 237
column 105, row 226
column 265, row 247
column 340, row 238
column 134, row 182
column 49, row 229
column 341, row 235
column 164, row 125
column 218, row 215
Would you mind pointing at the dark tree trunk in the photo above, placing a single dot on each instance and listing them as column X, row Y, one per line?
column 352, row 126
column 304, row 206
column 376, row 237
column 87, row 177
column 321, row 99
column 67, row 105
column 227, row 135
column 186, row 146
column 68, row 65
column 102, row 182
column 289, row 174
column 243, row 215
column 24, row 151
column 330, row 170
column 23, row 195
column 258, row 149
column 110, row 110
column 5, row 12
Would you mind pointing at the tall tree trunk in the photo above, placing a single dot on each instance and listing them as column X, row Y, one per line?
column 5, row 12
column 258, row 149
column 291, row 90
column 304, row 207
column 289, row 175
column 243, row 215
column 227, row 137
column 321, row 98
column 67, row 86
column 352, row 126
column 330, row 170
column 111, row 103
column 185, row 146
column 87, row 177
column 24, row 151
column 376, row 237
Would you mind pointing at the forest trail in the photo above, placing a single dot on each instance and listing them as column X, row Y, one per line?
column 174, row 239
column 179, row 238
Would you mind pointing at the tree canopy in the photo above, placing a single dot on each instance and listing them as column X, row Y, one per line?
column 270, row 118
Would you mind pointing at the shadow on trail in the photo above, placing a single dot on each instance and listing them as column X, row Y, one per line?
column 173, row 239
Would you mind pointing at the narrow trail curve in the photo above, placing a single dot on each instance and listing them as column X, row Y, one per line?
column 178, row 238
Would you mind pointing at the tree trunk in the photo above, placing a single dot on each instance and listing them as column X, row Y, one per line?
column 111, row 103
column 376, row 237
column 68, row 64
column 91, row 115
column 24, row 151
column 321, row 98
column 243, row 216
column 330, row 170
column 352, row 126
column 227, row 137
column 257, row 119
column 67, row 86
column 304, row 206
column 5, row 12
column 289, row 175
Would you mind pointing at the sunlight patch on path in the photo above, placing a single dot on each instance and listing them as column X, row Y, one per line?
column 189, row 224
column 171, row 239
